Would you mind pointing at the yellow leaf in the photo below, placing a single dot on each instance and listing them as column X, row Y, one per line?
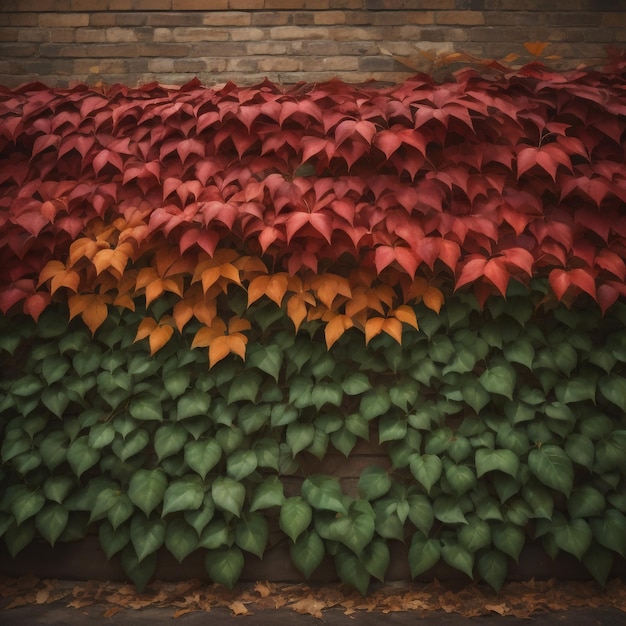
column 336, row 327
column 433, row 299
column 536, row 48
column 393, row 327
column 373, row 327
column 406, row 314
column 159, row 337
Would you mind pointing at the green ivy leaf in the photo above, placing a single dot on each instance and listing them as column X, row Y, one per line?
column 307, row 552
column 176, row 383
column 54, row 368
column 147, row 535
column 424, row 553
column 520, row 351
column 267, row 452
column 57, row 488
column 356, row 384
column 460, row 478
column 508, row 538
column 585, row 501
column 81, row 456
column 610, row 531
column 447, row 510
column 268, row 359
column 539, row 499
column 492, row 568
column 374, row 482
column 16, row 441
column 216, row 534
column 599, row 562
column 193, row 403
column 323, row 492
column 426, row 469
column 283, row 414
column 351, row 571
column 140, row 571
column 251, row 533
column 224, row 565
column 146, row 408
column 580, row 449
column 268, row 494
column 244, row 387
column 251, row 418
column 499, row 379
column 299, row 436
column 421, row 512
column 574, row 537
column 326, row 393
column 147, row 488
column 552, row 467
column 355, row 530
column 202, row 456
column 55, row 399
column 374, row 403
column 241, row 463
column 375, row 558
column 475, row 535
column 134, row 442
column 458, row 557
column 474, row 394
column 169, row 439
column 51, row 522
column 184, row 494
column 101, row 435
column 181, row 539
column 228, row 495
column 18, row 537
column 391, row 428
column 576, row 390
column 295, row 516
column 112, row 539
column 490, row 460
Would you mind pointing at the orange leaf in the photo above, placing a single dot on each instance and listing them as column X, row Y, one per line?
column 218, row 349
column 229, row 271
column 335, row 328
column 61, row 277
column 207, row 334
column 84, row 247
column 536, row 48
column 373, row 327
column 154, row 290
column 406, row 314
column 159, row 337
column 433, row 299
column 277, row 287
column 145, row 328
column 393, row 327
column 236, row 324
column 145, row 276
column 328, row 286
column 296, row 309
column 174, row 285
column 256, row 288
column 115, row 258
column 417, row 289
column 91, row 307
column 237, row 344
column 209, row 277
column 182, row 313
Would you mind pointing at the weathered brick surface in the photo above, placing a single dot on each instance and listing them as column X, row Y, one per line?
column 133, row 41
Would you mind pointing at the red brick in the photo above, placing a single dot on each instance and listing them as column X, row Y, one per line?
column 56, row 20
column 465, row 18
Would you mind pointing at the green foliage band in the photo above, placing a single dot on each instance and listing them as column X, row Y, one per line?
column 502, row 424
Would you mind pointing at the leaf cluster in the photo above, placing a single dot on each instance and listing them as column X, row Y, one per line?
column 502, row 424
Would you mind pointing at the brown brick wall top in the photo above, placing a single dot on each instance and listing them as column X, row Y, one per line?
column 172, row 41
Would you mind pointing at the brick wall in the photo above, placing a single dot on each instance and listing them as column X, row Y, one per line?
column 171, row 41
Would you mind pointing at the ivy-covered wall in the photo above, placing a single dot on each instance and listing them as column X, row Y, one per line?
column 205, row 291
